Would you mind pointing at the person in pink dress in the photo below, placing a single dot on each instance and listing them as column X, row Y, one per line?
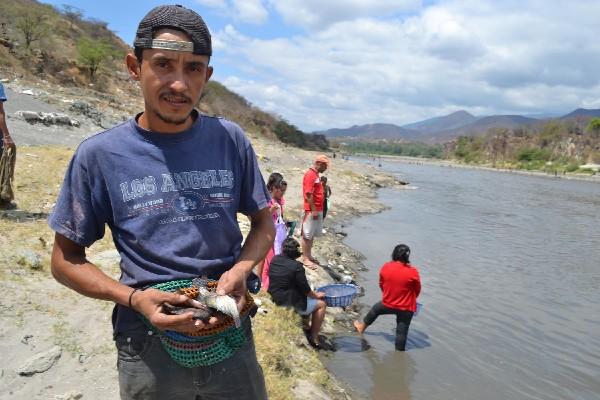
column 277, row 187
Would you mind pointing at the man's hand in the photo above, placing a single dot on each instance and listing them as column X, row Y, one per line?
column 233, row 283
column 150, row 304
column 320, row 295
column 8, row 141
column 315, row 214
column 274, row 207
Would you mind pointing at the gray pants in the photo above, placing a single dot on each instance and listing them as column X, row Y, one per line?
column 147, row 372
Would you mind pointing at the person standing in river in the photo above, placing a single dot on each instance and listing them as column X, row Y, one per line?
column 169, row 184
column 314, row 198
column 400, row 285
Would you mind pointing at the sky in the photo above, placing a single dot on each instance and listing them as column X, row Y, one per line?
column 324, row 64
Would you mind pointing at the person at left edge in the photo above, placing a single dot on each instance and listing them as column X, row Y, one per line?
column 168, row 183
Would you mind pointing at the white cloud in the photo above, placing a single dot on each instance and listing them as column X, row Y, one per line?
column 322, row 13
column 250, row 11
column 221, row 4
column 247, row 11
column 483, row 56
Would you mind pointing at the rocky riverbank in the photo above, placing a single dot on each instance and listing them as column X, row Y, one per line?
column 57, row 344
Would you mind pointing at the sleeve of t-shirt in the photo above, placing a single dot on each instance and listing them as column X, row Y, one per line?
column 2, row 93
column 81, row 210
column 254, row 195
column 308, row 183
column 417, row 283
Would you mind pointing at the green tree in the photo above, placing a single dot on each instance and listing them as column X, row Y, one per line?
column 72, row 14
column 32, row 25
column 92, row 53
column 594, row 127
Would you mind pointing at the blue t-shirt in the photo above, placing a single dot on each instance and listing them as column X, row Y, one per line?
column 2, row 94
column 170, row 200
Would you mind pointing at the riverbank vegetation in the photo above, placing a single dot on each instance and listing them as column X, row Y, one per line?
column 555, row 146
column 391, row 148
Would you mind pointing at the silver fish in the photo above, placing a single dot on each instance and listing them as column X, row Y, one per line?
column 223, row 303
column 199, row 311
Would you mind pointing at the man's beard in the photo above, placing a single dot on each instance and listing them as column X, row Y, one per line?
column 170, row 120
column 178, row 121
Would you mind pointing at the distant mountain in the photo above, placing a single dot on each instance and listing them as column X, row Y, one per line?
column 481, row 125
column 450, row 126
column 543, row 115
column 372, row 131
column 450, row 121
column 582, row 112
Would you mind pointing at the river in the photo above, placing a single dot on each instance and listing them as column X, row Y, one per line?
column 510, row 267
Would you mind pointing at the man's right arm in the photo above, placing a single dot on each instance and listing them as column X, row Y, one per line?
column 4, row 128
column 311, row 202
column 71, row 268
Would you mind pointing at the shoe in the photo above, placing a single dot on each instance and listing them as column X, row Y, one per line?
column 7, row 206
column 310, row 265
column 311, row 342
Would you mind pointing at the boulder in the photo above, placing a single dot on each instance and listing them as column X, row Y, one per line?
column 40, row 362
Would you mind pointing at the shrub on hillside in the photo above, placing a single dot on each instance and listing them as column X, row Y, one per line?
column 288, row 133
column 533, row 154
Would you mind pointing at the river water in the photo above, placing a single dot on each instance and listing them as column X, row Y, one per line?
column 510, row 267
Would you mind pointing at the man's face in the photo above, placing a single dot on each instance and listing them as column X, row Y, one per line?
column 321, row 166
column 172, row 83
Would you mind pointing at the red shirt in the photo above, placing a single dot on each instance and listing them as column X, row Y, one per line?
column 312, row 184
column 400, row 284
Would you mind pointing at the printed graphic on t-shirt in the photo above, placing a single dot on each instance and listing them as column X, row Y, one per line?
column 179, row 196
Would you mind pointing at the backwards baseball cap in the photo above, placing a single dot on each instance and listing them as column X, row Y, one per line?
column 322, row 158
column 174, row 17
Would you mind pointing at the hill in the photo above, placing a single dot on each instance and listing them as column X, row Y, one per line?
column 481, row 125
column 451, row 121
column 60, row 47
column 582, row 113
column 379, row 131
column 447, row 127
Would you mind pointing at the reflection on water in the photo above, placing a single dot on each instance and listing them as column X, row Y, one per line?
column 511, row 287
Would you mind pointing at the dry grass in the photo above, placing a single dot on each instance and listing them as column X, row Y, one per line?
column 282, row 353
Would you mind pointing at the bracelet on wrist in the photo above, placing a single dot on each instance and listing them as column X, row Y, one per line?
column 131, row 296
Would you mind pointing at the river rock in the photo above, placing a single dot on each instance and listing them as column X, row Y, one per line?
column 30, row 259
column 308, row 390
column 72, row 395
column 34, row 117
column 40, row 362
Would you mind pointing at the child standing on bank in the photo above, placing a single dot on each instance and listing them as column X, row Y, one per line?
column 277, row 187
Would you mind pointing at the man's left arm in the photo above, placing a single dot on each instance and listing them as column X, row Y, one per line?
column 257, row 244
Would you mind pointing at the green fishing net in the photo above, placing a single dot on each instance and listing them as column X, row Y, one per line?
column 205, row 349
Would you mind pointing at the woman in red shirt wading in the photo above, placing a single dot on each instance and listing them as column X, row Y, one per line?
column 400, row 283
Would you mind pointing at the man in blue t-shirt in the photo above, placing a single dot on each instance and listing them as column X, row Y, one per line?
column 6, row 193
column 169, row 184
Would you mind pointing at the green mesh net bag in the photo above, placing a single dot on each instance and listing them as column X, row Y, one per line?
column 208, row 346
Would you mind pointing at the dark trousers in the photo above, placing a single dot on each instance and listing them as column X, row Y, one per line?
column 147, row 372
column 403, row 319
